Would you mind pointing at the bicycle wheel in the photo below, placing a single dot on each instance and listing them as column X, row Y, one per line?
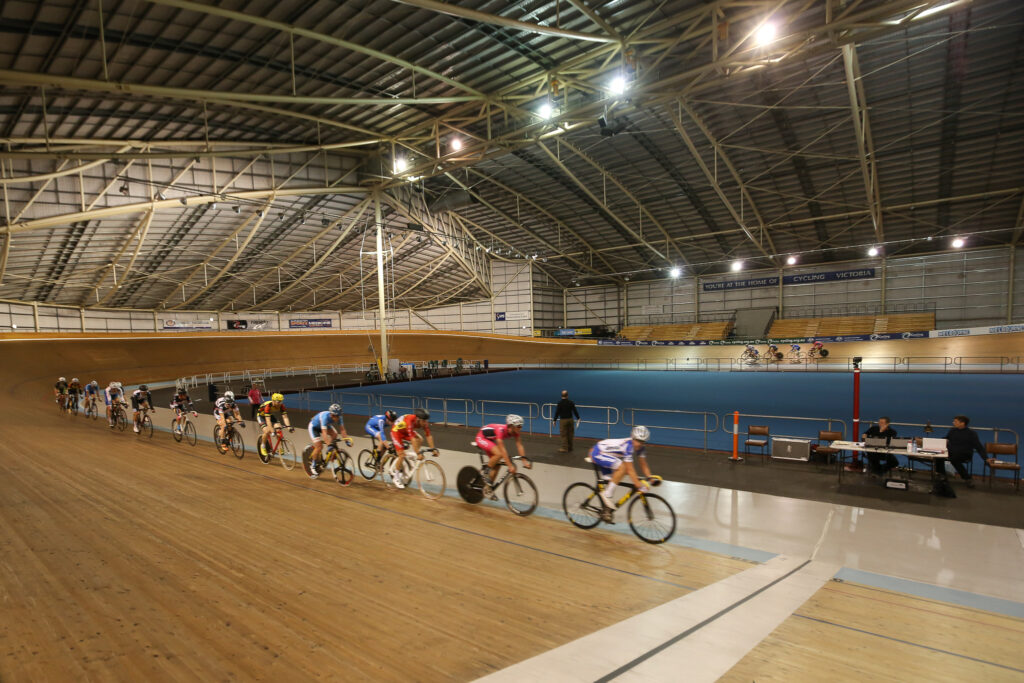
column 430, row 477
column 582, row 505
column 651, row 518
column 190, row 432
column 175, row 432
column 146, row 428
column 221, row 448
column 520, row 494
column 345, row 471
column 286, row 454
column 306, row 452
column 237, row 445
column 469, row 484
column 260, row 446
column 122, row 419
column 367, row 464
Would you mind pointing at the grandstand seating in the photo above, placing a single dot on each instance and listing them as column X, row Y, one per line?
column 865, row 324
column 678, row 332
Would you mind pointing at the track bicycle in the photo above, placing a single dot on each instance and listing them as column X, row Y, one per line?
column 145, row 422
column 91, row 408
column 182, row 426
column 282, row 448
column 519, row 491
column 650, row 516
column 73, row 404
column 119, row 414
column 235, row 443
column 372, row 461
column 339, row 462
column 428, row 474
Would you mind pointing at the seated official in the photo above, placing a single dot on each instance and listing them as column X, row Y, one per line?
column 882, row 430
column 961, row 444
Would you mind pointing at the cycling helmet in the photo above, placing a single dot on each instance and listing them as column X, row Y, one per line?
column 74, row 379
column 390, row 415
column 143, row 387
column 641, row 433
column 795, row 347
column 422, row 414
column 335, row 409
column 514, row 420
column 116, row 385
column 94, row 383
column 61, row 379
column 277, row 397
column 229, row 395
column 750, row 347
column 818, row 343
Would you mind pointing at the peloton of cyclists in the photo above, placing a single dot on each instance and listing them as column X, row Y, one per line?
column 113, row 395
column 180, row 402
column 268, row 415
column 60, row 392
column 615, row 458
column 490, row 440
column 223, row 409
column 325, row 427
column 404, row 433
column 141, row 400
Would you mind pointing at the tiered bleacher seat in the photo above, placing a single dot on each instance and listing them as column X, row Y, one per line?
column 848, row 325
column 678, row 332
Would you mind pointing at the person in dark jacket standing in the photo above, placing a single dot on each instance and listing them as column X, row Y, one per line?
column 961, row 444
column 566, row 425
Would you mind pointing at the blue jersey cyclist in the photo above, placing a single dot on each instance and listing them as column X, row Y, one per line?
column 325, row 427
column 379, row 427
column 615, row 458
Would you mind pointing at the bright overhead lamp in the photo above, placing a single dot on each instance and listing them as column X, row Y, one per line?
column 456, row 144
column 873, row 251
column 545, row 110
column 618, row 85
column 766, row 34
column 736, row 266
column 791, row 261
column 958, row 242
column 400, row 165
column 676, row 271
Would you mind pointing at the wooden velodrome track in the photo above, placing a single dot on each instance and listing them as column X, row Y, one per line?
column 123, row 559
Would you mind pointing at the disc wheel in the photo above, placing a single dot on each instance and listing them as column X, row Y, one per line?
column 651, row 518
column 345, row 471
column 286, row 454
column 146, row 426
column 469, row 484
column 260, row 445
column 582, row 505
column 367, row 466
column 430, row 477
column 520, row 494
column 190, row 432
column 174, row 430
column 237, row 445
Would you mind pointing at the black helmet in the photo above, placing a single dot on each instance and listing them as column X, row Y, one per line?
column 422, row 414
column 390, row 415
column 143, row 387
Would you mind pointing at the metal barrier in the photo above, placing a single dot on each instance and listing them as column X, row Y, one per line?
column 489, row 408
column 830, row 424
column 631, row 420
column 355, row 402
column 611, row 416
column 400, row 403
column 448, row 407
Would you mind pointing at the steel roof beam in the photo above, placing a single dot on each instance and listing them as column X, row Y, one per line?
column 862, row 131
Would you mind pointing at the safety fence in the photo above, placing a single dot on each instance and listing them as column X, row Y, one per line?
column 940, row 364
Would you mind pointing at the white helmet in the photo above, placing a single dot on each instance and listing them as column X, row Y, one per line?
column 94, row 383
column 641, row 433
column 61, row 379
column 74, row 379
column 229, row 395
column 117, row 385
column 514, row 420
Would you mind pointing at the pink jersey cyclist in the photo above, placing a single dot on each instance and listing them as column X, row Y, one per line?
column 490, row 435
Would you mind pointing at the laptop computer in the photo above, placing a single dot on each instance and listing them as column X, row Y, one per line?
column 899, row 443
column 876, row 442
column 931, row 445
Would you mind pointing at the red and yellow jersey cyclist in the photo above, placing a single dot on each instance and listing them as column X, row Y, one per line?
column 403, row 433
column 272, row 413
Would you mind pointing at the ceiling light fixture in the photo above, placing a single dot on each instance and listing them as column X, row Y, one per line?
column 236, row 208
column 873, row 251
column 183, row 201
column 958, row 242
column 456, row 144
column 791, row 261
column 400, row 165
column 766, row 34
column 124, row 189
column 545, row 110
column 676, row 271
column 736, row 266
column 618, row 85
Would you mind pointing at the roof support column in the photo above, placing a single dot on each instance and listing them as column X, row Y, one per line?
column 865, row 144
column 380, row 285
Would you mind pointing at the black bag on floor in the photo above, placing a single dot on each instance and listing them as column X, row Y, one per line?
column 941, row 487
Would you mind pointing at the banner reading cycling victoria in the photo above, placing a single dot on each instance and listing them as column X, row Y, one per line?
column 798, row 279
column 305, row 323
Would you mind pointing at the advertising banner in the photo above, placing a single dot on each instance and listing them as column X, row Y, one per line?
column 302, row 323
column 973, row 331
column 247, row 324
column 170, row 324
column 583, row 330
column 797, row 279
column 789, row 340
column 565, row 332
column 499, row 316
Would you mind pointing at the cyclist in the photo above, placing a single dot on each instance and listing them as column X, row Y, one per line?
column 112, row 395
column 141, row 399
column 271, row 413
column 795, row 355
column 750, row 354
column 815, row 351
column 325, row 426
column 92, row 390
column 773, row 351
column 489, row 439
column 225, row 408
column 180, row 402
column 615, row 458
column 60, row 391
column 74, row 392
column 379, row 428
column 404, row 433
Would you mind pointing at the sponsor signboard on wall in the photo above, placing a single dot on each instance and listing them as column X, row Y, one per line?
column 500, row 316
column 170, row 324
column 973, row 331
column 303, row 323
column 247, row 324
column 789, row 340
column 797, row 279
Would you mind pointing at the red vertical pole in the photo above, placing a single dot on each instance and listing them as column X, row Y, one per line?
column 856, row 414
column 736, row 437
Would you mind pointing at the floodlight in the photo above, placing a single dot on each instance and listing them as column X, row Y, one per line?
column 873, row 251
column 618, row 85
column 737, row 266
column 545, row 110
column 958, row 242
column 766, row 34
column 791, row 261
column 456, row 144
column 676, row 271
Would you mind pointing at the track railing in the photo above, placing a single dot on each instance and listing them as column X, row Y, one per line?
column 635, row 416
column 497, row 410
column 591, row 415
column 448, row 408
column 828, row 424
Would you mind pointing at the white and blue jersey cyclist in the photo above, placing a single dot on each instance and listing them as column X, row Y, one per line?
column 615, row 458
column 379, row 426
column 326, row 426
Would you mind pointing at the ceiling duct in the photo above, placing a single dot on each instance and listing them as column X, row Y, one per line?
column 456, row 199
